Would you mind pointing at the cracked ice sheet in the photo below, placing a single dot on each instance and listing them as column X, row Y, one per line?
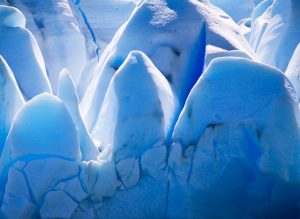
column 17, row 202
column 57, row 204
column 221, row 171
column 148, row 198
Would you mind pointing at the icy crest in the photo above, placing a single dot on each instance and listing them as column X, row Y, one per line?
column 160, row 109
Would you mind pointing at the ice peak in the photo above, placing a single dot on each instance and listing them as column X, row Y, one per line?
column 11, row 17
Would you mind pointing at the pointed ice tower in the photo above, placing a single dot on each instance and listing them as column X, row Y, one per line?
column 21, row 51
column 236, row 145
column 134, row 125
column 138, row 111
column 10, row 102
column 42, row 132
column 174, row 35
column 281, row 20
column 224, row 95
column 67, row 93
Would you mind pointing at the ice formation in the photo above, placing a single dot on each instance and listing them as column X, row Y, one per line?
column 281, row 35
column 150, row 109
column 67, row 93
column 293, row 71
column 20, row 50
column 156, row 28
column 139, row 110
column 11, row 100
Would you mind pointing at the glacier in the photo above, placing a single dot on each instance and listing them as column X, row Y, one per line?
column 150, row 109
column 29, row 60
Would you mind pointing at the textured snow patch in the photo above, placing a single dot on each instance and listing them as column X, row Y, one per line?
column 162, row 14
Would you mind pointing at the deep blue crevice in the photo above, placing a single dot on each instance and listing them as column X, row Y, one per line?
column 89, row 27
column 199, row 53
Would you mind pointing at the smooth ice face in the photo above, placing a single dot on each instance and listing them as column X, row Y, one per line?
column 67, row 93
column 19, row 48
column 213, row 52
column 11, row 17
column 37, row 130
column 259, row 21
column 293, row 71
column 11, row 100
column 262, row 95
column 138, row 111
column 237, row 9
column 283, row 23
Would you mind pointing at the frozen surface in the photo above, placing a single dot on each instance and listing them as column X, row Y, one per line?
column 149, row 109
column 224, row 154
column 97, row 15
column 155, row 28
column 10, row 102
column 138, row 111
column 259, row 21
column 217, row 99
column 293, row 71
column 21, row 51
column 67, row 93
column 238, row 9
column 45, row 112
column 281, row 35
column 36, row 146
column 58, row 33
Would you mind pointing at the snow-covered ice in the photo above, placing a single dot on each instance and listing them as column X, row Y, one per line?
column 293, row 71
column 149, row 109
column 281, row 35
column 156, row 28
column 11, row 100
column 67, row 93
column 223, row 144
column 21, row 51
column 139, row 110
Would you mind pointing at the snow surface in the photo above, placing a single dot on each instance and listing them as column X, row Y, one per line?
column 160, row 109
